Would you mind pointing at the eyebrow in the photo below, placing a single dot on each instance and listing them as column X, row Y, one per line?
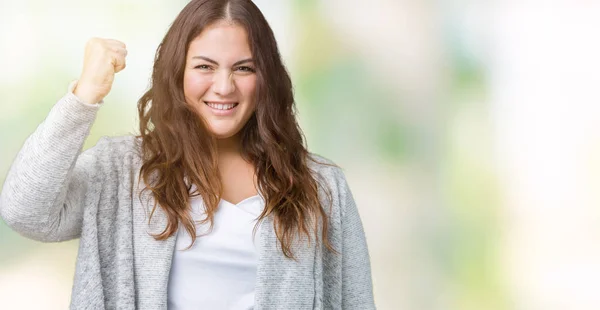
column 237, row 63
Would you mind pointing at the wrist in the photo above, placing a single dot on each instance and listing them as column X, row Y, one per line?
column 84, row 93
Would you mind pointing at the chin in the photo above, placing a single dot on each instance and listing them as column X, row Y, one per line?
column 223, row 134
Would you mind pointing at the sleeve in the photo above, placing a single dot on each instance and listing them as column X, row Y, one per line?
column 43, row 193
column 357, row 286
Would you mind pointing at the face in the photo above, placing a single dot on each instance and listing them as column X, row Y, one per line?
column 220, row 79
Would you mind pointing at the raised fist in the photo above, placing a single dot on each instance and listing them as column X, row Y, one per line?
column 103, row 58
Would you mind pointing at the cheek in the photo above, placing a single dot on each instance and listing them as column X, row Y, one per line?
column 195, row 86
column 247, row 87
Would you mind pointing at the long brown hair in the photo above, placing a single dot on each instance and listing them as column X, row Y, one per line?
column 177, row 146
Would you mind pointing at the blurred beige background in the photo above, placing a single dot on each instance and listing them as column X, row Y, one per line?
column 468, row 131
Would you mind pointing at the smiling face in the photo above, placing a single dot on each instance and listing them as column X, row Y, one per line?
column 219, row 79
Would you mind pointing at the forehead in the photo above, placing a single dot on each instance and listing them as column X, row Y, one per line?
column 221, row 40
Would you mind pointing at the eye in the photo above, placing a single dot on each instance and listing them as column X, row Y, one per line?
column 245, row 69
column 203, row 67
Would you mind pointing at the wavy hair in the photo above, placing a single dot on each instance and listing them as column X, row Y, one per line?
column 271, row 140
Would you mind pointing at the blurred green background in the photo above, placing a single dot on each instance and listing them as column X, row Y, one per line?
column 468, row 131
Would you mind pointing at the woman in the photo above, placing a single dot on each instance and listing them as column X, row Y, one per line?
column 217, row 204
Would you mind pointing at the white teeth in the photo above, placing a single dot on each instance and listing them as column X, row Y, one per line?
column 221, row 106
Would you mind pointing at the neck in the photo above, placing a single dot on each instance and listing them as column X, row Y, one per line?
column 229, row 146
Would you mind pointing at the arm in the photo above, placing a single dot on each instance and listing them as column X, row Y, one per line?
column 357, row 287
column 47, row 185
column 42, row 197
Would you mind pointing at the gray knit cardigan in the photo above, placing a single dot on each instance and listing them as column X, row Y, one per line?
column 54, row 192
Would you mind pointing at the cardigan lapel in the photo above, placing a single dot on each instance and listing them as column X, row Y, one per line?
column 152, row 263
column 283, row 283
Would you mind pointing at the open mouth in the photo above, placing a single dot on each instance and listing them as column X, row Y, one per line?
column 222, row 106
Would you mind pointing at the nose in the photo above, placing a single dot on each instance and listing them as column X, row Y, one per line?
column 223, row 83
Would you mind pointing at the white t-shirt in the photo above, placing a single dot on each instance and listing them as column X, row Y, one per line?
column 219, row 271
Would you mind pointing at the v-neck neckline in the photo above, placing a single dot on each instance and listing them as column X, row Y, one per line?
column 242, row 201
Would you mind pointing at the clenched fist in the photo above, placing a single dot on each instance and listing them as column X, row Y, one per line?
column 103, row 58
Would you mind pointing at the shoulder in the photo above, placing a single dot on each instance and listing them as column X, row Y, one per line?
column 325, row 169
column 331, row 179
column 116, row 146
column 115, row 153
column 119, row 143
